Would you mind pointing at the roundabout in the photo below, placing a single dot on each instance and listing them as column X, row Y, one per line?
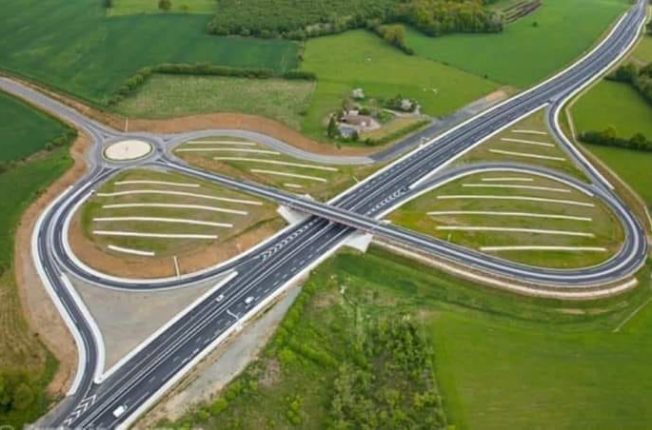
column 127, row 150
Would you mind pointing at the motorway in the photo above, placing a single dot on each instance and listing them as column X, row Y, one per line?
column 264, row 272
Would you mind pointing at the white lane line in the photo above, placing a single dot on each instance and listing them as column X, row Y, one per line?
column 526, row 155
column 291, row 185
column 131, row 251
column 508, row 179
column 514, row 230
column 522, row 198
column 543, row 248
column 153, row 235
column 528, row 142
column 162, row 220
column 512, row 214
column 220, row 142
column 174, row 206
column 280, row 163
column 522, row 131
column 289, row 175
column 248, row 150
column 180, row 193
column 518, row 187
column 146, row 182
column 176, row 266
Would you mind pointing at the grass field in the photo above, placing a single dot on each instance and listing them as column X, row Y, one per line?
column 21, row 352
column 23, row 130
column 360, row 59
column 500, row 361
column 131, row 7
column 258, row 163
column 523, row 53
column 643, row 52
column 632, row 166
column 590, row 224
column 170, row 95
column 73, row 46
column 613, row 104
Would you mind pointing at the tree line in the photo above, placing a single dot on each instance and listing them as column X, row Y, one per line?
column 302, row 19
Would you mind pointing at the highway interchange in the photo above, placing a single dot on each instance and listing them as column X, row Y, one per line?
column 264, row 272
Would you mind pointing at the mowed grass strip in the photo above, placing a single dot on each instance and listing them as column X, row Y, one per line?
column 24, row 130
column 530, row 49
column 567, row 227
column 282, row 171
column 360, row 59
column 507, row 146
column 132, row 7
column 226, row 218
column 170, row 96
column 73, row 46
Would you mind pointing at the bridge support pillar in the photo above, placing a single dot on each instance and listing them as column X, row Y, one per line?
column 290, row 215
column 359, row 241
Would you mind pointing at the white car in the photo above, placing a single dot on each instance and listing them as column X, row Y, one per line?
column 119, row 411
column 249, row 299
column 219, row 298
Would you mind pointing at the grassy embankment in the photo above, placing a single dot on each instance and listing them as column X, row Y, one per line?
column 43, row 41
column 529, row 49
column 207, row 205
column 592, row 225
column 261, row 164
column 500, row 361
column 613, row 104
column 26, row 367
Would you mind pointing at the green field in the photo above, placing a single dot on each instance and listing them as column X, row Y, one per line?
column 73, row 46
column 23, row 130
column 643, row 52
column 500, row 361
column 171, row 95
column 131, row 7
column 524, row 54
column 632, row 166
column 360, row 59
column 613, row 104
column 22, row 355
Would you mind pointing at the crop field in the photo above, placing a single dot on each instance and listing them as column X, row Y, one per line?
column 360, row 59
column 529, row 49
column 170, row 96
column 131, row 7
column 526, row 142
column 257, row 163
column 157, row 215
column 500, row 361
column 524, row 218
column 75, row 47
column 24, row 130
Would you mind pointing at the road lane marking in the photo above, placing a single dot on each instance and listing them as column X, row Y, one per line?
column 514, row 230
column 523, row 198
column 526, row 155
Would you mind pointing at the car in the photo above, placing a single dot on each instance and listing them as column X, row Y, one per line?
column 119, row 411
column 249, row 299
column 219, row 298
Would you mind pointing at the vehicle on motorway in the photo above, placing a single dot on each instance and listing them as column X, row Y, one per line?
column 249, row 299
column 219, row 298
column 119, row 411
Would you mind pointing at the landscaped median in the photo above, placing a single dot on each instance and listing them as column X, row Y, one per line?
column 519, row 217
column 147, row 223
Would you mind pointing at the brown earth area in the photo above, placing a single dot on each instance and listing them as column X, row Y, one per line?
column 39, row 310
column 129, row 266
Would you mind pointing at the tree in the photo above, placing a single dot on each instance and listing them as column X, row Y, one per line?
column 165, row 4
column 333, row 131
column 108, row 4
column 649, row 28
